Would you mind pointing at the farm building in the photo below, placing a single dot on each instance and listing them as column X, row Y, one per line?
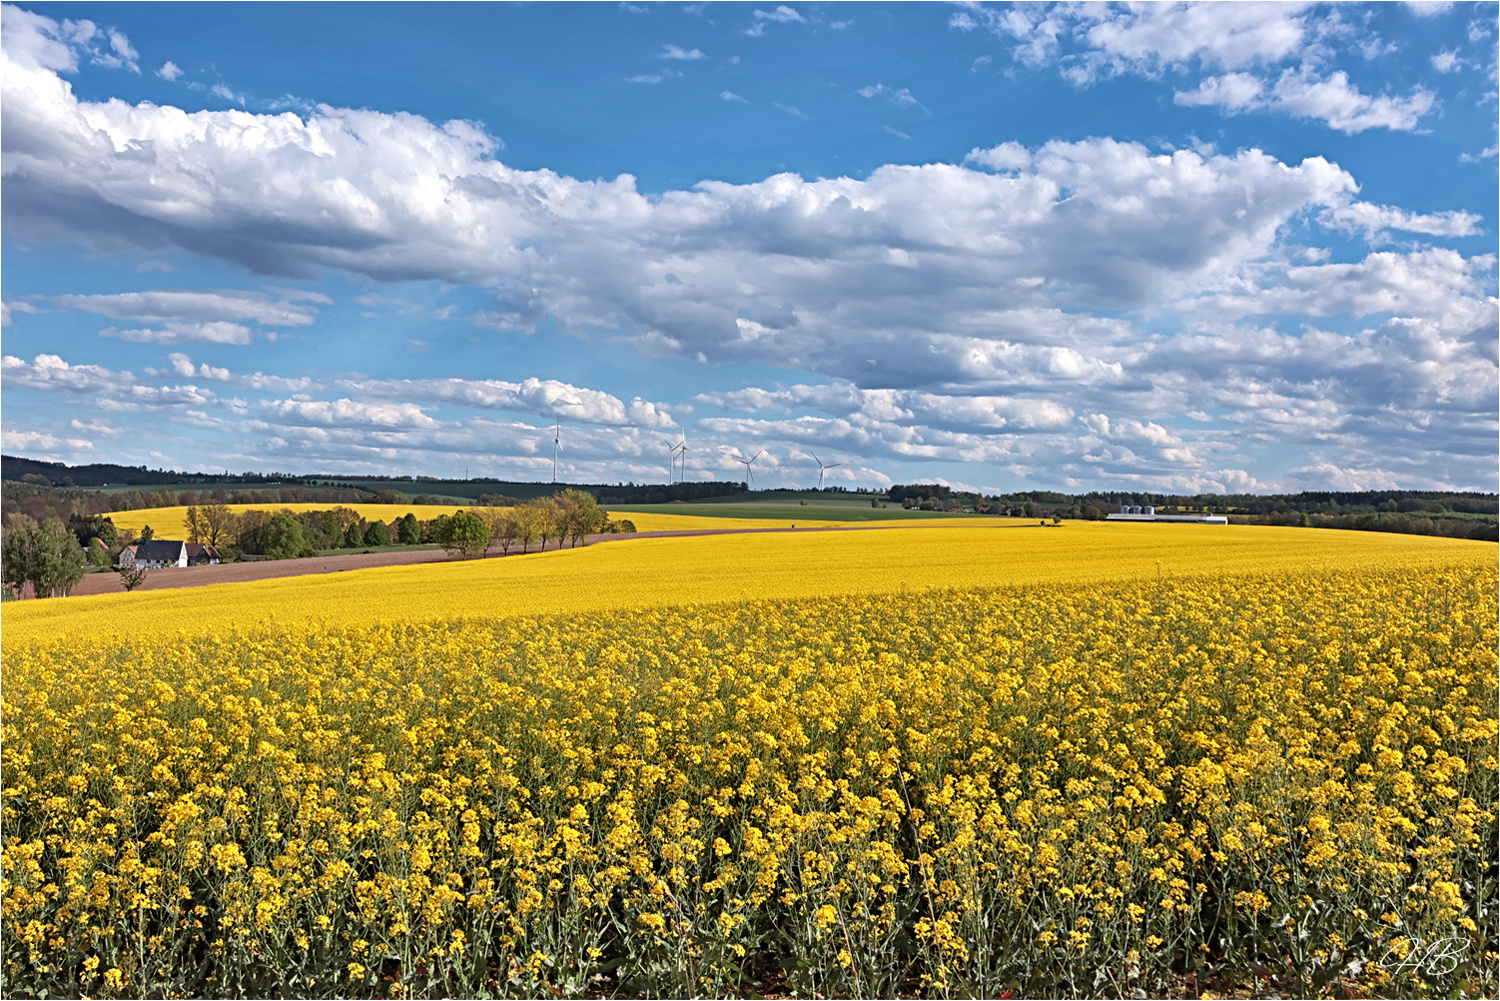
column 1145, row 512
column 155, row 554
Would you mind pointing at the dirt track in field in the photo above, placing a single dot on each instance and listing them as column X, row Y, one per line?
column 226, row 573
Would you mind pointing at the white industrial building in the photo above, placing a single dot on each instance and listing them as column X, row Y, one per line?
column 1146, row 512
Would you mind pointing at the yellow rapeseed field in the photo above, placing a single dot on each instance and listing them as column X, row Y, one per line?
column 171, row 522
column 1091, row 760
column 630, row 573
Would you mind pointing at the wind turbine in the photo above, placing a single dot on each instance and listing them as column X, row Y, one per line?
column 672, row 451
column 746, row 463
column 671, row 461
column 682, row 446
column 557, row 438
column 823, row 467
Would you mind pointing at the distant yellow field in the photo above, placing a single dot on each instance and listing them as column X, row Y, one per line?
column 171, row 522
column 668, row 571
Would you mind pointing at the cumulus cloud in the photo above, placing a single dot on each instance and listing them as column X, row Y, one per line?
column 182, row 366
column 169, row 71
column 1257, row 56
column 42, row 43
column 1302, row 94
column 1428, row 8
column 350, row 413
column 678, row 53
column 546, row 397
column 1333, row 99
column 1447, row 61
column 1374, row 220
column 42, row 443
column 730, row 95
column 106, row 389
column 990, row 311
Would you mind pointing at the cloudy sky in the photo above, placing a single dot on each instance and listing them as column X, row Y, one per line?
column 1230, row 247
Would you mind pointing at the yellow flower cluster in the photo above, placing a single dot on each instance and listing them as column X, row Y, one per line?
column 1055, row 789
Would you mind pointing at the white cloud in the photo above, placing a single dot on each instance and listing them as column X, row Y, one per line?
column 1328, row 476
column 643, row 78
column 96, row 385
column 1232, row 91
column 219, row 332
column 896, row 132
column 37, row 42
column 290, row 309
column 1095, row 277
column 1151, row 37
column 1146, row 38
column 678, row 53
column 1331, row 99
column 1447, row 61
column 182, row 366
column 790, row 109
column 782, row 14
column 1372, row 220
column 1335, row 100
column 40, row 442
column 169, row 71
column 545, row 397
column 1246, row 42
column 1428, row 8
column 900, row 98
column 222, row 90
column 350, row 413
column 730, row 95
column 1006, row 156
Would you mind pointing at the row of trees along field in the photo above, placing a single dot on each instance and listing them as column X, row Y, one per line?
column 570, row 515
column 52, row 557
column 42, row 500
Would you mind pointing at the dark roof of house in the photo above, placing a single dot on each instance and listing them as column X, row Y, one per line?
column 159, row 549
column 194, row 549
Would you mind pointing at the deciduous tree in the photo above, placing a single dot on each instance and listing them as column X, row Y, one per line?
column 464, row 534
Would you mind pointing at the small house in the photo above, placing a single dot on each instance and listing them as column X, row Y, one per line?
column 199, row 555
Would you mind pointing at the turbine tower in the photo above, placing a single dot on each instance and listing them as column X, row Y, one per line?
column 823, row 467
column 671, row 461
column 749, row 476
column 556, row 446
column 556, row 438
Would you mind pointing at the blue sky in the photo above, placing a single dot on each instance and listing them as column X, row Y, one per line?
column 1170, row 248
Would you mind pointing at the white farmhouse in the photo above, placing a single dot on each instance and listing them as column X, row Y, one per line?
column 155, row 554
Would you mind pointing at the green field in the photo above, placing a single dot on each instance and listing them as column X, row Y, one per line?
column 822, row 509
column 357, row 550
